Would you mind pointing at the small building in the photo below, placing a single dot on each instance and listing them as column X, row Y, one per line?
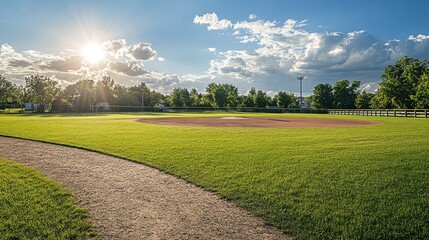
column 102, row 107
column 33, row 106
column 304, row 104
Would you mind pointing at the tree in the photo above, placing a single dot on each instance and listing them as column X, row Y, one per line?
column 399, row 84
column 363, row 100
column 222, row 95
column 41, row 90
column 133, row 96
column 261, row 99
column 179, row 97
column 104, row 89
column 81, row 95
column 344, row 94
column 421, row 97
column 249, row 99
column 8, row 91
column 285, row 100
column 195, row 98
column 322, row 96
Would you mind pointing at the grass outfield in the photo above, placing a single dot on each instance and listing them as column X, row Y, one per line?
column 367, row 182
column 33, row 207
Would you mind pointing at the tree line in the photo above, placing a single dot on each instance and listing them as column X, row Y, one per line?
column 404, row 84
column 78, row 97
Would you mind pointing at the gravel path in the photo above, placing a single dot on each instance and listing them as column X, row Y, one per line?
column 127, row 200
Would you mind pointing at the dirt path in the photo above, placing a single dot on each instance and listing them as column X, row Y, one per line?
column 127, row 200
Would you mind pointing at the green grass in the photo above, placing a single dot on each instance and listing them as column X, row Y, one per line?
column 369, row 182
column 34, row 207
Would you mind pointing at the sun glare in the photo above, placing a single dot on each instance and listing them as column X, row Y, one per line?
column 93, row 53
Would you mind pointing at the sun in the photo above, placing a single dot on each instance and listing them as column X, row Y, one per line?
column 93, row 53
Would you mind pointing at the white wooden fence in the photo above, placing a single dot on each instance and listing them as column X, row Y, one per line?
column 416, row 113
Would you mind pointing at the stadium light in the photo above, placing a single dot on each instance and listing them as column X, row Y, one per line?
column 300, row 91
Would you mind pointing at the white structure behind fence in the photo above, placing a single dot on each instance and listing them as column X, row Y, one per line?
column 416, row 113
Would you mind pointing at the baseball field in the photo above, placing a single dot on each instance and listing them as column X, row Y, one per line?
column 347, row 177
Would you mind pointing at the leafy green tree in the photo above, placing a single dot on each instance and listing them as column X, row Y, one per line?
column 180, row 97
column 104, row 90
column 195, row 98
column 155, row 98
column 121, row 96
column 422, row 94
column 8, row 91
column 60, row 103
column 344, row 94
column 151, row 97
column 323, row 96
column 248, row 100
column 41, row 90
column 222, row 95
column 261, row 99
column 81, row 95
column 363, row 100
column 285, row 100
column 135, row 95
column 399, row 84
column 206, row 100
column 308, row 100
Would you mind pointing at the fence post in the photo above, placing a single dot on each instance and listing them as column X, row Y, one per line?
column 415, row 113
column 426, row 113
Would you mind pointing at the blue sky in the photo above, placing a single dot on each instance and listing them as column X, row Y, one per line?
column 190, row 43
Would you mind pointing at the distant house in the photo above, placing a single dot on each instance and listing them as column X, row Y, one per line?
column 304, row 104
column 102, row 107
column 33, row 106
column 30, row 106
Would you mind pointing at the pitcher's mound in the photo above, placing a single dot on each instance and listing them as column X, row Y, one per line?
column 258, row 122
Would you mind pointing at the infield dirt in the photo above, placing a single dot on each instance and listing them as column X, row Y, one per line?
column 256, row 122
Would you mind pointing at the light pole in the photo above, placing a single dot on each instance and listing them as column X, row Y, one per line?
column 300, row 92
column 142, row 86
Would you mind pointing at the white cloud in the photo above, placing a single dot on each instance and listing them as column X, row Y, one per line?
column 284, row 50
column 65, row 64
column 6, row 49
column 123, row 62
column 141, row 51
column 212, row 21
column 211, row 49
column 130, row 68
column 115, row 47
column 252, row 16
column 370, row 87
column 161, row 59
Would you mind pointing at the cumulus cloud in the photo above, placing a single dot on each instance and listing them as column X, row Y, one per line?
column 212, row 21
column 252, row 16
column 6, row 49
column 211, row 49
column 130, row 68
column 285, row 49
column 142, row 51
column 19, row 63
column 65, row 64
column 123, row 61
column 370, row 87
column 115, row 47
column 161, row 59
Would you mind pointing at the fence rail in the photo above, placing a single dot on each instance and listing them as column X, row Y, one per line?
column 415, row 113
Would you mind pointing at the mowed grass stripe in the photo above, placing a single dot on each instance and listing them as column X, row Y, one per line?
column 369, row 182
column 34, row 207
